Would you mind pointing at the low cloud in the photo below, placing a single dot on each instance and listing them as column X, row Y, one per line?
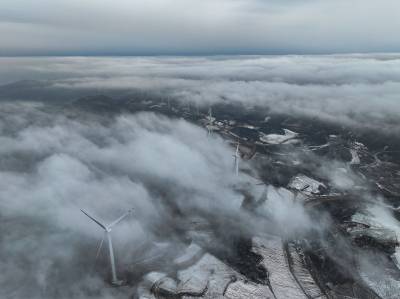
column 52, row 166
column 354, row 90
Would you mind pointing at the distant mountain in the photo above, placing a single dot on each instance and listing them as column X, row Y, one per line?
column 99, row 104
column 48, row 91
column 33, row 90
column 25, row 84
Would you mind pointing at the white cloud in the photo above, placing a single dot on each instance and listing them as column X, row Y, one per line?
column 194, row 26
column 356, row 90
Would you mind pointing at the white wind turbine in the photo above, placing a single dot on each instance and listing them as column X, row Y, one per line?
column 236, row 156
column 107, row 229
column 210, row 121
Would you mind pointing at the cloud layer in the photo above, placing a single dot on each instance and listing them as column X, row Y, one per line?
column 354, row 90
column 194, row 26
column 51, row 167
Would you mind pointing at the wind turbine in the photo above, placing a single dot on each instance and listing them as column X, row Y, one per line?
column 107, row 229
column 210, row 121
column 210, row 114
column 236, row 156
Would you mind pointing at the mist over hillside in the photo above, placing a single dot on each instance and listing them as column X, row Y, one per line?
column 316, row 137
column 354, row 90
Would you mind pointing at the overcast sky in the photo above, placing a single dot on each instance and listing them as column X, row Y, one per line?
column 100, row 27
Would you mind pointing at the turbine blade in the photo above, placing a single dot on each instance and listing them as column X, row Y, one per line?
column 95, row 220
column 119, row 219
column 99, row 248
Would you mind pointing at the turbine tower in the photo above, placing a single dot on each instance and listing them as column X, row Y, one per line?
column 236, row 156
column 210, row 120
column 107, row 229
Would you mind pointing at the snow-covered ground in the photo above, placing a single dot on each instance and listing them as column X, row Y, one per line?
column 383, row 227
column 278, row 138
column 281, row 279
column 306, row 185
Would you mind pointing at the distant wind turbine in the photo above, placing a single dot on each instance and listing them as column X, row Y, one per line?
column 236, row 156
column 107, row 229
column 210, row 118
column 210, row 121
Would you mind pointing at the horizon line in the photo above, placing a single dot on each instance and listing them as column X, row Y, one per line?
column 217, row 54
